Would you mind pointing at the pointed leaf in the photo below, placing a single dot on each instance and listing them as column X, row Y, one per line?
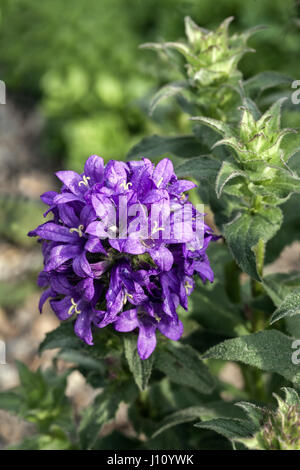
column 183, row 365
column 141, row 370
column 230, row 428
column 289, row 307
column 258, row 350
column 245, row 232
column 227, row 172
column 156, row 146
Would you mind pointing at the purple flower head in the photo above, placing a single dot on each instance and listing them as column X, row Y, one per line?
column 122, row 248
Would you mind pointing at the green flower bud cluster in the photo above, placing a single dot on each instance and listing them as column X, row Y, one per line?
column 280, row 428
column 257, row 169
column 210, row 66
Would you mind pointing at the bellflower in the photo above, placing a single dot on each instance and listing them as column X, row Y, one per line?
column 122, row 248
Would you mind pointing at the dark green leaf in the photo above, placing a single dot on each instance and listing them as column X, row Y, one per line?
column 265, row 80
column 103, row 410
column 205, row 412
column 230, row 428
column 258, row 350
column 155, row 147
column 141, row 370
column 62, row 337
column 183, row 365
column 244, row 233
column 205, row 167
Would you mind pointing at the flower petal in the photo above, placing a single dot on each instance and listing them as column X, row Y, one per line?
column 127, row 321
column 94, row 169
column 55, row 232
column 61, row 308
column 147, row 338
column 163, row 172
column 171, row 328
column 60, row 254
column 72, row 181
column 81, row 266
column 83, row 326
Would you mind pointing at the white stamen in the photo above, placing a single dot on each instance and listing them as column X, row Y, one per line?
column 84, row 181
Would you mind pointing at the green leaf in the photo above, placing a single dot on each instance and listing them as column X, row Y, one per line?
column 205, row 167
column 216, row 313
column 278, row 189
column 288, row 308
column 183, row 365
column 265, row 80
column 227, row 172
column 230, row 428
column 258, row 350
column 179, row 417
column 44, row 442
column 103, row 410
column 141, row 370
column 279, row 285
column 245, row 232
column 291, row 396
column 156, row 146
column 167, row 91
column 61, row 337
column 219, row 126
column 255, row 413
column 81, row 358
column 10, row 401
column 206, row 412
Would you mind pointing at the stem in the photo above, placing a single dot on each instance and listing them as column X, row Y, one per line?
column 257, row 288
column 232, row 281
column 254, row 383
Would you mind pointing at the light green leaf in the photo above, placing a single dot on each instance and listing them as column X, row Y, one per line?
column 289, row 307
column 279, row 285
column 219, row 126
column 183, row 365
column 270, row 351
column 245, row 232
column 141, row 370
column 227, row 172
column 167, row 91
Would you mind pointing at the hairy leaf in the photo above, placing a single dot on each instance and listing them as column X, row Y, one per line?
column 289, row 307
column 183, row 365
column 156, row 146
column 244, row 233
column 258, row 350
column 141, row 370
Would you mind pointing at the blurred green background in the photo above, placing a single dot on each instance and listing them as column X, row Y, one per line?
column 78, row 84
column 79, row 62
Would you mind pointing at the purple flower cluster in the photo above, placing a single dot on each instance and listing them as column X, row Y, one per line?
column 99, row 276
